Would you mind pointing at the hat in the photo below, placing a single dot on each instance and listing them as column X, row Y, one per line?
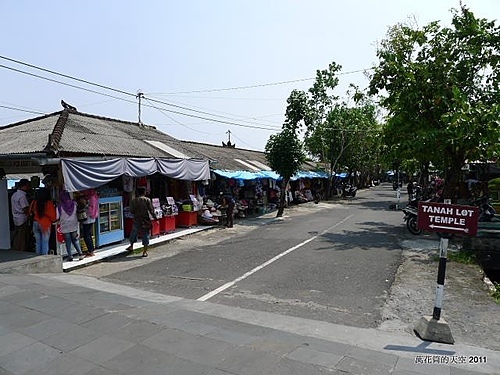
column 23, row 182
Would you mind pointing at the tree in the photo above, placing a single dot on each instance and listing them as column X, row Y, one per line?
column 347, row 138
column 440, row 88
column 284, row 151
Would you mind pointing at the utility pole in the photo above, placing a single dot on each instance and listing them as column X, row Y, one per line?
column 229, row 137
column 139, row 96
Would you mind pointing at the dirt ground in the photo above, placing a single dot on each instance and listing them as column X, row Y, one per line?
column 468, row 308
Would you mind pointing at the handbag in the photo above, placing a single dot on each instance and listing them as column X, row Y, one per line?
column 81, row 215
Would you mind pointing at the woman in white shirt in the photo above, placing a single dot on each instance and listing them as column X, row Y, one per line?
column 69, row 224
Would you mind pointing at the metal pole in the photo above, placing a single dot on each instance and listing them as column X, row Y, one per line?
column 140, row 95
column 443, row 251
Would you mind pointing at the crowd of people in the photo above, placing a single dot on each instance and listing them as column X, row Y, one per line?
column 34, row 216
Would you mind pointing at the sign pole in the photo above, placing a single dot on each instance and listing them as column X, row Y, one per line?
column 438, row 304
column 431, row 328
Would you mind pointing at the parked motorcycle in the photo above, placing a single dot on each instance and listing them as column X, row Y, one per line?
column 349, row 190
column 486, row 210
column 410, row 218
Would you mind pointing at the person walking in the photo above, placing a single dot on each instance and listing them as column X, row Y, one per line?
column 142, row 210
column 44, row 214
column 20, row 206
column 229, row 203
column 69, row 224
column 411, row 190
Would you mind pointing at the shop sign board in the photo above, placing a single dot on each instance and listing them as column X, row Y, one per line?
column 447, row 218
column 19, row 166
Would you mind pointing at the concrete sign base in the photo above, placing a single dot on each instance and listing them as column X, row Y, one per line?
column 430, row 329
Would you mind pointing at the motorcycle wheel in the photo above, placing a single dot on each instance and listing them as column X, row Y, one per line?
column 411, row 224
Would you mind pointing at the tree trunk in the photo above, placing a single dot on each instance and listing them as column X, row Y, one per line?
column 281, row 206
column 452, row 180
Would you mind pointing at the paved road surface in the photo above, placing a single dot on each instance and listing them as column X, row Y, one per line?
column 332, row 262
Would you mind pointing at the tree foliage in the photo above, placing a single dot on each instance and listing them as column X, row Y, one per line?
column 284, row 151
column 440, row 88
column 344, row 136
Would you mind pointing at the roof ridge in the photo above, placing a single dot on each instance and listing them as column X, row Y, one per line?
column 30, row 120
column 56, row 135
column 219, row 146
column 110, row 119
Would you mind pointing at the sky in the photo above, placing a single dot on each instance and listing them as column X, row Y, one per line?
column 208, row 71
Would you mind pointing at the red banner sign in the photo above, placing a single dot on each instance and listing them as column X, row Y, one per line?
column 448, row 218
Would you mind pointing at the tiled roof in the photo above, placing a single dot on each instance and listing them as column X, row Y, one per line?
column 75, row 133
column 225, row 158
column 70, row 133
column 28, row 136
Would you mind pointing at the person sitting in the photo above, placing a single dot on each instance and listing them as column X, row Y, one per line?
column 299, row 197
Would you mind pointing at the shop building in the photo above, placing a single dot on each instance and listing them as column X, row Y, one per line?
column 75, row 151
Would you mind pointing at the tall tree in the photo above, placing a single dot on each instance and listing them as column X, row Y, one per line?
column 284, row 151
column 440, row 88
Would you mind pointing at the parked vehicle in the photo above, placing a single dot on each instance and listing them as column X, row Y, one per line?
column 486, row 210
column 349, row 190
column 410, row 218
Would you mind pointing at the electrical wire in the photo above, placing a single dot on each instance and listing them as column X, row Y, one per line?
column 196, row 111
column 269, row 123
column 174, row 120
column 130, row 101
column 254, row 86
column 63, row 83
column 22, row 110
column 150, row 99
column 67, row 76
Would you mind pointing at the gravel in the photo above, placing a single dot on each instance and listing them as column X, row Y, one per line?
column 468, row 307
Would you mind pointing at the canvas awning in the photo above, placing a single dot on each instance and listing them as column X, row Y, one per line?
column 245, row 175
column 86, row 174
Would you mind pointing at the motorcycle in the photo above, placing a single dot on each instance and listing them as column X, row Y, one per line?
column 486, row 210
column 349, row 190
column 410, row 218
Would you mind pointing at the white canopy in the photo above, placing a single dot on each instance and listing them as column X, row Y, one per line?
column 80, row 175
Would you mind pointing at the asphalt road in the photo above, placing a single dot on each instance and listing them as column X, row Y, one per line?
column 333, row 262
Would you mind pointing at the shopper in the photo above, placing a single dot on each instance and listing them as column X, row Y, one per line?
column 229, row 203
column 88, row 202
column 142, row 210
column 44, row 214
column 20, row 206
column 69, row 224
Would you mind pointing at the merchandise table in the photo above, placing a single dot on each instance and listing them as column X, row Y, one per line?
column 167, row 224
column 186, row 219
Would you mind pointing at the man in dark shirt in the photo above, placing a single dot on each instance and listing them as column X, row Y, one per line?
column 142, row 210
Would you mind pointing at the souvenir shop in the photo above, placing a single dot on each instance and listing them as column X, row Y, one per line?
column 254, row 192
column 173, row 185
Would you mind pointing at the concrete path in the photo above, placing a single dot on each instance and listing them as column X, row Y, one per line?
column 70, row 324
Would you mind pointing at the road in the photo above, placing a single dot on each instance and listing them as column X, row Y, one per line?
column 334, row 262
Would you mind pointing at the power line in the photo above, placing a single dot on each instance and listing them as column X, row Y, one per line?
column 173, row 119
column 63, row 83
column 271, row 123
column 21, row 110
column 67, row 76
column 120, row 91
column 153, row 100
column 253, row 86
column 133, row 102
column 207, row 113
